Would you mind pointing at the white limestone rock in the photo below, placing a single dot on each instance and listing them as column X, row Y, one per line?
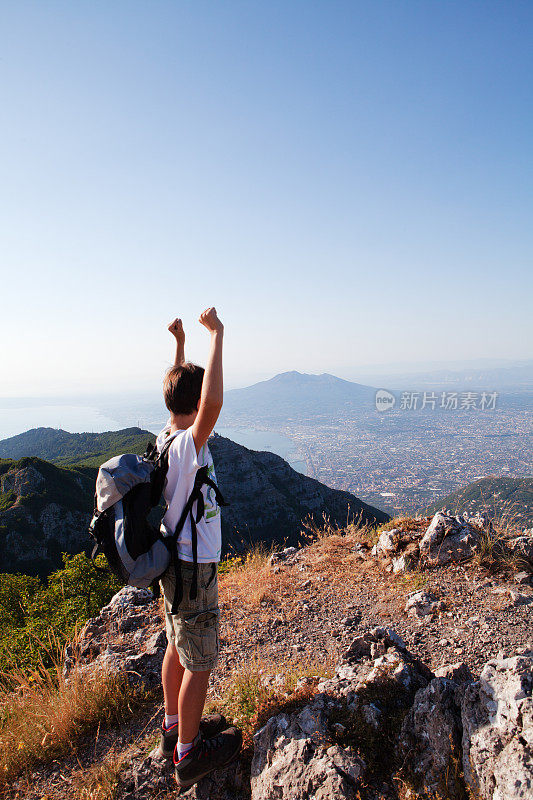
column 422, row 604
column 497, row 718
column 430, row 740
column 449, row 539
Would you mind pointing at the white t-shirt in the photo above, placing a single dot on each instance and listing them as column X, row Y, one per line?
column 183, row 464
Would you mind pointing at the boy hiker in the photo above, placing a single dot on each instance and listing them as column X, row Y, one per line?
column 193, row 397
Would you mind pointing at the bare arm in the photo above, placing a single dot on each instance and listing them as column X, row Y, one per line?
column 212, row 386
column 176, row 329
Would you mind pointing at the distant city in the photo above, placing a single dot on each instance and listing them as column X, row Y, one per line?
column 399, row 460
column 403, row 459
column 401, row 463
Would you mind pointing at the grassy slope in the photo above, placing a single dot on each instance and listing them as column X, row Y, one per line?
column 67, row 448
column 504, row 497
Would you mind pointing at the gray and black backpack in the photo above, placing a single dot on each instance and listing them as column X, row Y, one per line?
column 128, row 487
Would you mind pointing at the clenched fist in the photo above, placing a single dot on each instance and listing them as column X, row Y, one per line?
column 176, row 329
column 209, row 320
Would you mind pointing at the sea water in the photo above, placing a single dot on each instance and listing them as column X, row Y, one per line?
column 15, row 419
column 19, row 415
column 271, row 441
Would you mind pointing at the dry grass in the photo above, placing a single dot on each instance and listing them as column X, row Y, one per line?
column 100, row 781
column 253, row 689
column 44, row 716
column 334, row 567
column 334, row 561
column 249, row 577
column 252, row 697
column 494, row 554
column 413, row 581
column 405, row 524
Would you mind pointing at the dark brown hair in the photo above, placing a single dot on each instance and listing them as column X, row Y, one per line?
column 182, row 388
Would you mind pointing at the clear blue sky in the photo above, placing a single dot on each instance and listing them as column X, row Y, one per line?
column 348, row 182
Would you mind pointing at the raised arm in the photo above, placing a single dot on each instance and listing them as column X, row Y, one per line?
column 176, row 329
column 212, row 386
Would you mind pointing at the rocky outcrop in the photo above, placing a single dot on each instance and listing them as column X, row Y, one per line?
column 126, row 637
column 458, row 673
column 438, row 726
column 294, row 758
column 445, row 540
column 46, row 514
column 22, row 481
column 449, row 539
column 522, row 548
column 430, row 740
column 442, row 732
column 328, row 747
column 497, row 720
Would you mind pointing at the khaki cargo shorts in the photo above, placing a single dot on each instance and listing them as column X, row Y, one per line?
column 194, row 629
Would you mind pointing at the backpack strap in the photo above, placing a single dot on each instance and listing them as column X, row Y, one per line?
column 197, row 497
column 159, row 475
column 94, row 552
column 153, row 454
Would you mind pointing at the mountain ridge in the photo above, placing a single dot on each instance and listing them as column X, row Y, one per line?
column 506, row 498
column 296, row 394
column 45, row 507
column 58, row 445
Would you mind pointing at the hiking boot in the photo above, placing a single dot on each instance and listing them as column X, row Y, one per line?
column 210, row 725
column 206, row 756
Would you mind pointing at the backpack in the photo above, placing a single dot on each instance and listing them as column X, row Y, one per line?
column 128, row 487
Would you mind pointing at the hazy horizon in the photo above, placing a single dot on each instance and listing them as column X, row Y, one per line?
column 366, row 372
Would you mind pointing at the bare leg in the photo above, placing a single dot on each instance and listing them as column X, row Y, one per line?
column 171, row 676
column 192, row 693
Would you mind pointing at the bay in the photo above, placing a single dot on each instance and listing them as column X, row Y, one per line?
column 15, row 419
column 271, row 441
column 18, row 415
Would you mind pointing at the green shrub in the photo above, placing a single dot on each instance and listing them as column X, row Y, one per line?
column 37, row 619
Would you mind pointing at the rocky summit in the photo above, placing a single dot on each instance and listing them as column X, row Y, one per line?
column 384, row 718
column 350, row 679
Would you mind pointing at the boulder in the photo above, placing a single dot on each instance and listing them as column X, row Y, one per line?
column 430, row 741
column 523, row 578
column 387, row 543
column 481, row 519
column 449, row 539
column 522, row 548
column 520, row 598
column 497, row 718
column 408, row 560
column 458, row 673
column 127, row 637
column 295, row 759
column 423, row 604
